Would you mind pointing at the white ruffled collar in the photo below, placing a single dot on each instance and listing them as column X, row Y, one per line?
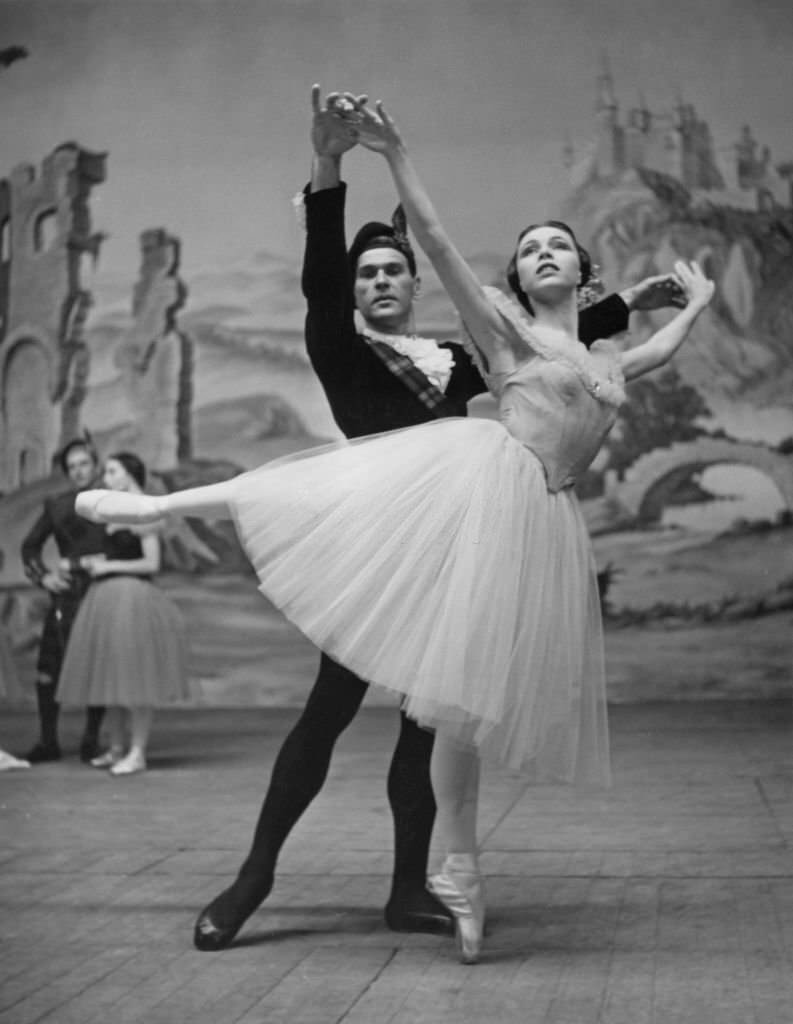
column 435, row 363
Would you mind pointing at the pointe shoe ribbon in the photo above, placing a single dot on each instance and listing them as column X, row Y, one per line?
column 102, row 506
column 466, row 903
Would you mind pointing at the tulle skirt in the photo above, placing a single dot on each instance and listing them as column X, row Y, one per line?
column 126, row 647
column 434, row 562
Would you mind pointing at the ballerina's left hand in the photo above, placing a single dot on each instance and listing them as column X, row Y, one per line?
column 697, row 288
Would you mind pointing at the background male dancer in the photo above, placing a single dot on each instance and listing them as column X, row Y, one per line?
column 74, row 537
column 374, row 382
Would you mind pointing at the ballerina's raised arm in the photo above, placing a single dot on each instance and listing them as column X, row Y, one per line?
column 492, row 333
column 494, row 336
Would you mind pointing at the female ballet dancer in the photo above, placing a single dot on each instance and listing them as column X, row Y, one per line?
column 450, row 562
column 127, row 648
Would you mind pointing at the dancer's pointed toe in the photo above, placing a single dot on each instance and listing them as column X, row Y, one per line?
column 102, row 506
column 210, row 937
column 462, row 892
column 220, row 920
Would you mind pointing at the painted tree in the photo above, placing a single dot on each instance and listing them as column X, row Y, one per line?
column 661, row 410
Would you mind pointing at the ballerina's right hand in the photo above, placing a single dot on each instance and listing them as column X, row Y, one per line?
column 331, row 135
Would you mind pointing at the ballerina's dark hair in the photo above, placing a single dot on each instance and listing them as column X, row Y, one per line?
column 133, row 465
column 512, row 267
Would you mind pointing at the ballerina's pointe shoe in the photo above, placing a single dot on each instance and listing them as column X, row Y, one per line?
column 460, row 887
column 118, row 507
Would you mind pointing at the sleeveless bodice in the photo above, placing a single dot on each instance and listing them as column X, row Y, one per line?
column 546, row 406
column 123, row 545
column 562, row 401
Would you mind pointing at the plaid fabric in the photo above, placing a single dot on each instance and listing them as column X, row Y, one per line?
column 406, row 370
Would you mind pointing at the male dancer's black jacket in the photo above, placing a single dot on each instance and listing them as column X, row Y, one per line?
column 74, row 537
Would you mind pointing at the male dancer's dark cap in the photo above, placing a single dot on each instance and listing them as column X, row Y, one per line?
column 378, row 235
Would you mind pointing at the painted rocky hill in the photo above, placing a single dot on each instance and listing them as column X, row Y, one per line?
column 740, row 356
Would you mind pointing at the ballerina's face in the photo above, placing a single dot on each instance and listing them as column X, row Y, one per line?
column 384, row 288
column 547, row 262
column 115, row 476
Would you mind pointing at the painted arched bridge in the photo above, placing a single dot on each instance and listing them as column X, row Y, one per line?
column 656, row 475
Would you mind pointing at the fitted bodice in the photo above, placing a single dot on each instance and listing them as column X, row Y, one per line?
column 122, row 545
column 562, row 401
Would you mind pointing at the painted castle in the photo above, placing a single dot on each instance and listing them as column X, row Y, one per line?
column 678, row 143
column 45, row 234
column 45, row 231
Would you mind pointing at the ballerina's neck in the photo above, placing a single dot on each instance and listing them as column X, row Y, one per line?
column 557, row 322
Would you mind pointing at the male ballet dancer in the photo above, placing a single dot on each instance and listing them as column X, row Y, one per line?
column 74, row 537
column 376, row 378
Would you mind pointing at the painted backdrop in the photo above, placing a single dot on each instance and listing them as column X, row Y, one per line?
column 149, row 280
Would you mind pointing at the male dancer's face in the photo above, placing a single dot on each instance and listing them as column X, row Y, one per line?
column 81, row 468
column 384, row 289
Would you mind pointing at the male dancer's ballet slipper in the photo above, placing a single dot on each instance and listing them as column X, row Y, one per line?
column 219, row 922
column 118, row 507
column 460, row 887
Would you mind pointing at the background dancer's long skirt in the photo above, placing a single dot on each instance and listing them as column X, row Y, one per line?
column 127, row 647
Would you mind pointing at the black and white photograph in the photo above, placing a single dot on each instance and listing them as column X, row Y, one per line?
column 396, row 512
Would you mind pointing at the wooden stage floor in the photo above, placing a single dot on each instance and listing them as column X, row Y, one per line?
column 668, row 899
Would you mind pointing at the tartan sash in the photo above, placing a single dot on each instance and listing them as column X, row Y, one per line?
column 405, row 370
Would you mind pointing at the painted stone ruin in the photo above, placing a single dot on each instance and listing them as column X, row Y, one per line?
column 45, row 235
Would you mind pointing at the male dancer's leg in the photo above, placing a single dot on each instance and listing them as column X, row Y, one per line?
column 54, row 638
column 48, row 668
column 299, row 771
column 411, row 907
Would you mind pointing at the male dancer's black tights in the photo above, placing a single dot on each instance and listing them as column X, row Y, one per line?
column 298, row 775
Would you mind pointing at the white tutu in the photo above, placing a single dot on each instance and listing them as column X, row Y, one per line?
column 433, row 561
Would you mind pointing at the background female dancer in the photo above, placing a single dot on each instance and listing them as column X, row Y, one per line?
column 450, row 562
column 127, row 646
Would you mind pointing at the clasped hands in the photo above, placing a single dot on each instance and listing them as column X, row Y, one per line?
column 345, row 120
column 94, row 565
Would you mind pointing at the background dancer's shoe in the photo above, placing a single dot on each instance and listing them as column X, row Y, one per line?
column 133, row 763
column 8, row 761
column 42, row 752
column 108, row 759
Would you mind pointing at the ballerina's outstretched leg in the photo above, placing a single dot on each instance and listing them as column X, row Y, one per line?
column 210, row 502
